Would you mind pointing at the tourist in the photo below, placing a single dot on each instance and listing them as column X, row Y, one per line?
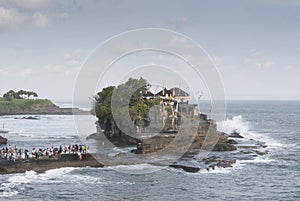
column 33, row 153
column 26, row 154
column 79, row 155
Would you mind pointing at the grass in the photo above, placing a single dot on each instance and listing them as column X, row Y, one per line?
column 18, row 105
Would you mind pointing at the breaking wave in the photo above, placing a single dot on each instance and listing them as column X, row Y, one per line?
column 242, row 126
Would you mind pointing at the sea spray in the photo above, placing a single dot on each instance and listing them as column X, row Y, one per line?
column 242, row 126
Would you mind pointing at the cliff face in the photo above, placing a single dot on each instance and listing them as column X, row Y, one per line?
column 207, row 137
column 115, row 135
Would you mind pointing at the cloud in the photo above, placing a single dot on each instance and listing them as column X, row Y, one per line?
column 10, row 18
column 16, row 71
column 219, row 61
column 32, row 5
column 41, row 20
column 180, row 42
column 257, row 58
column 289, row 67
column 179, row 22
column 72, row 59
column 15, row 14
column 61, row 16
column 59, row 70
column 265, row 65
column 288, row 3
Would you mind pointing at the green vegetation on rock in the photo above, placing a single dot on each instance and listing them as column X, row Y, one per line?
column 22, row 105
column 138, row 107
column 24, row 102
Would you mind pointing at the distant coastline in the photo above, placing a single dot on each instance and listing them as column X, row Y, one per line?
column 36, row 107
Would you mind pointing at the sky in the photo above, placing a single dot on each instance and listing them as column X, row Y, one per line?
column 254, row 44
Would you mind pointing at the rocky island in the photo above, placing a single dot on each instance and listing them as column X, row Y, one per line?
column 168, row 108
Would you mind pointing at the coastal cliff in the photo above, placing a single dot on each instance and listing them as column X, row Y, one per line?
column 200, row 140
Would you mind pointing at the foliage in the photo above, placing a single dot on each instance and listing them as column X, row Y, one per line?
column 21, row 94
column 103, row 107
column 22, row 105
column 138, row 107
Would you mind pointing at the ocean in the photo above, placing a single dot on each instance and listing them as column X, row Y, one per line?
column 274, row 176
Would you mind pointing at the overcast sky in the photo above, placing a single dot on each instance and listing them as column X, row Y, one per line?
column 255, row 44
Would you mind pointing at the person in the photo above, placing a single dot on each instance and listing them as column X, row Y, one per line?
column 50, row 154
column 33, row 153
column 26, row 154
column 83, row 149
column 60, row 149
column 69, row 148
column 19, row 154
column 79, row 155
column 11, row 154
column 65, row 149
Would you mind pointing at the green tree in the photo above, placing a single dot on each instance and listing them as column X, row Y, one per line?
column 103, row 108
column 10, row 95
column 27, row 94
column 138, row 107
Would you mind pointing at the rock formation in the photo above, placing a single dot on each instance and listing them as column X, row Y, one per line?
column 42, row 165
column 3, row 140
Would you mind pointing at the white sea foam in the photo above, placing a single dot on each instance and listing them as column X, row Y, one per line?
column 217, row 170
column 239, row 164
column 242, row 126
column 8, row 189
column 33, row 177
column 61, row 175
column 237, row 123
column 136, row 169
column 256, row 160
column 8, row 193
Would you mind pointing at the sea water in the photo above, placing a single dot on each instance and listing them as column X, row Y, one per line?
column 274, row 176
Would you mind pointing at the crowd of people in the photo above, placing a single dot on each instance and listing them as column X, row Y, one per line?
column 13, row 153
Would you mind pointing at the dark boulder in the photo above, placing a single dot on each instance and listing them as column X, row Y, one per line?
column 231, row 141
column 185, row 168
column 3, row 140
column 235, row 135
column 224, row 147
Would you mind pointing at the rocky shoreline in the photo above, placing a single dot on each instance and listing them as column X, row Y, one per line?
column 42, row 165
column 189, row 162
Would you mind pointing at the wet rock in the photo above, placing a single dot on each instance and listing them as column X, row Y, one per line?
column 262, row 144
column 31, row 118
column 185, row 168
column 224, row 147
column 225, row 164
column 261, row 153
column 231, row 141
column 211, row 159
column 235, row 135
column 3, row 140
column 42, row 165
